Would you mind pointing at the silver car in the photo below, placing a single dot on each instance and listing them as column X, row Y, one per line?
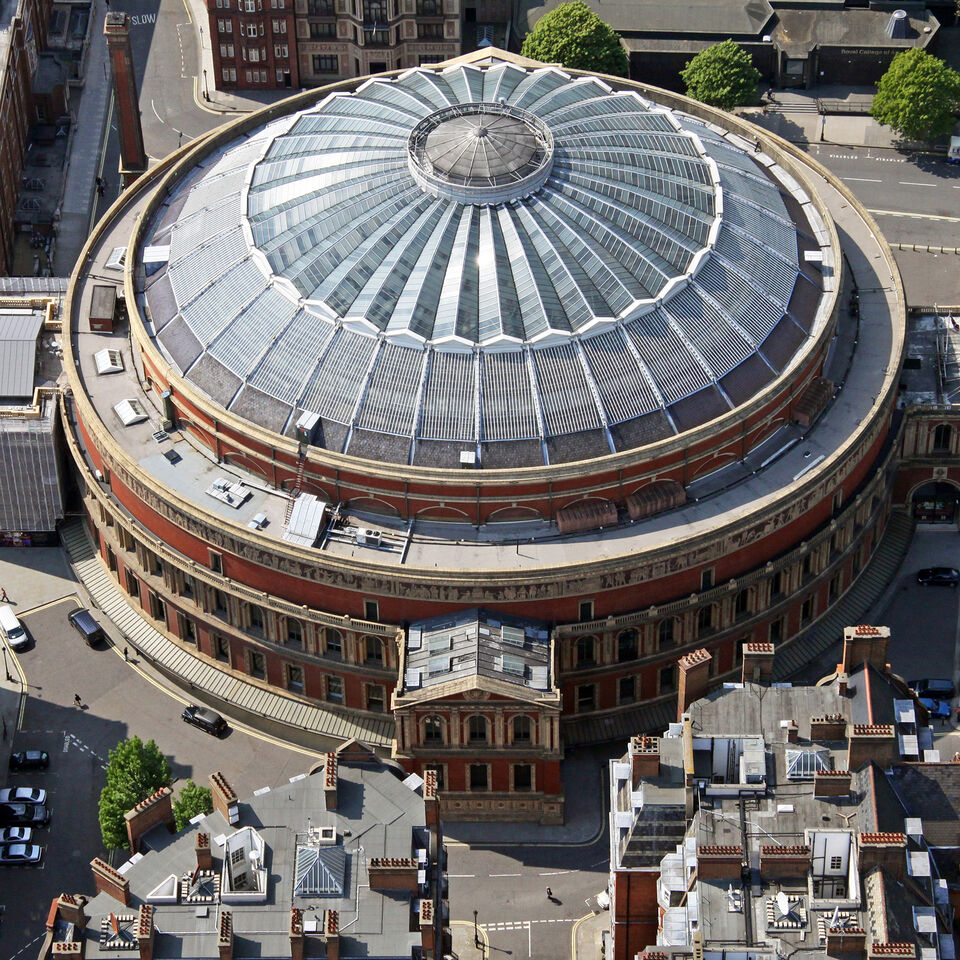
column 23, row 795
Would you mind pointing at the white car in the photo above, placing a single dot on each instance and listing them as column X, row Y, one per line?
column 23, row 795
column 16, row 834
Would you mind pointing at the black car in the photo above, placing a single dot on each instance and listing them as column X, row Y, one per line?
column 86, row 626
column 938, row 576
column 24, row 814
column 205, row 719
column 30, row 760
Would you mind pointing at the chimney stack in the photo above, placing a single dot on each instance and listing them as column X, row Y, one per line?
column 225, row 800
column 644, row 759
column 157, row 808
column 296, row 934
column 225, row 935
column 865, row 644
column 107, row 880
column 875, row 742
column 201, row 847
column 331, row 778
column 70, row 908
column 694, row 679
column 145, row 931
column 887, row 850
column 133, row 156
column 758, row 662
column 331, row 933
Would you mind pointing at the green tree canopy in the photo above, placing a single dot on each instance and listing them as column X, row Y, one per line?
column 573, row 35
column 918, row 96
column 135, row 771
column 722, row 75
column 193, row 800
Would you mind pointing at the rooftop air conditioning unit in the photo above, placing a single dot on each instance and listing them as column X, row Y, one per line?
column 370, row 538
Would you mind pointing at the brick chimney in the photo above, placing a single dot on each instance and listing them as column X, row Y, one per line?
column 845, row 941
column 296, row 934
column 67, row 949
column 393, row 873
column 225, row 800
column 133, row 156
column 780, row 863
column 897, row 951
column 225, row 935
column 157, row 808
column 887, row 850
column 331, row 778
column 790, row 730
column 694, row 679
column 832, row 783
column 644, row 759
column 832, row 726
column 719, row 862
column 865, row 644
column 201, row 847
column 107, row 880
column 758, row 662
column 146, row 931
column 428, row 933
column 331, row 933
column 70, row 906
column 871, row 741
column 431, row 802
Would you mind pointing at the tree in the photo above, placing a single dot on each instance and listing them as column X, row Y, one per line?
column 574, row 36
column 722, row 75
column 193, row 800
column 918, row 96
column 135, row 771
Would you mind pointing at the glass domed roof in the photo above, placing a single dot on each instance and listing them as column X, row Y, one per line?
column 494, row 258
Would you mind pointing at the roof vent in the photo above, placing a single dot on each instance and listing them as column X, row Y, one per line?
column 897, row 25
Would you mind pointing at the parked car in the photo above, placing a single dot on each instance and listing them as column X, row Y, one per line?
column 12, row 854
column 934, row 689
column 31, row 814
column 29, row 760
column 938, row 709
column 938, row 576
column 15, row 834
column 86, row 626
column 23, row 795
column 206, row 719
column 12, row 628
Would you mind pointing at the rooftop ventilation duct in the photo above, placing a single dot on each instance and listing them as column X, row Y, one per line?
column 897, row 25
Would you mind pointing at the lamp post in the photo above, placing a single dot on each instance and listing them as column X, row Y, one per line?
column 206, row 95
column 476, row 932
column 6, row 669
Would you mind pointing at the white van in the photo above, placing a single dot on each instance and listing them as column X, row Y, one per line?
column 12, row 628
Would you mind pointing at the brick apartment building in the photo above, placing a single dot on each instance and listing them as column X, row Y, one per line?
column 292, row 43
column 786, row 818
column 23, row 27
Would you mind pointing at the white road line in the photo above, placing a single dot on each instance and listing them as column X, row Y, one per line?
column 555, row 873
column 916, row 216
column 506, row 875
column 914, row 183
column 461, row 876
column 862, row 180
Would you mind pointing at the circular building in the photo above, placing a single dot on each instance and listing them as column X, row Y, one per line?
column 486, row 335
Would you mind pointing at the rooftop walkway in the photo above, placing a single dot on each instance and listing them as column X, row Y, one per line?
column 295, row 720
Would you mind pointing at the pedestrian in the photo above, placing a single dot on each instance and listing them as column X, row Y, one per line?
column 99, row 181
column 77, row 702
column 125, row 654
column 756, row 145
column 3, row 595
column 549, row 894
column 100, row 189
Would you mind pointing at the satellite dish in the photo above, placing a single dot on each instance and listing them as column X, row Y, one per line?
column 783, row 904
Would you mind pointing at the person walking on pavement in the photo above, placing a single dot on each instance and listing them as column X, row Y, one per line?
column 549, row 894
column 77, row 702
column 3, row 595
column 124, row 654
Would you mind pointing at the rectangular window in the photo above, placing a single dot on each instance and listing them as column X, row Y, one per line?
column 836, row 585
column 230, row 74
column 280, row 50
column 375, row 11
column 836, row 863
column 279, row 26
column 741, row 605
column 807, row 609
column 706, row 579
column 335, row 689
column 280, row 73
column 429, row 31
column 254, row 55
column 157, row 607
column 776, row 630
column 248, row 73
column 221, row 648
column 429, row 58
column 586, row 610
column 478, row 776
column 224, row 26
column 586, row 651
column 320, row 8
column 627, row 689
column 216, row 561
column 705, row 619
column 522, row 777
column 334, row 642
column 294, row 678
column 586, row 697
column 258, row 665
column 776, row 584
column 371, row 610
column 326, row 65
column 667, row 679
column 133, row 584
column 429, row 8
column 376, row 38
column 188, row 632
column 374, row 698
column 320, row 31
column 220, row 603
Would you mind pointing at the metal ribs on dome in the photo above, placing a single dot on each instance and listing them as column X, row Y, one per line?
column 641, row 290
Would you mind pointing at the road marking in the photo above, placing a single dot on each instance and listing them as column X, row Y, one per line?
column 916, row 216
column 555, row 873
column 461, row 876
column 506, row 875
column 914, row 183
column 862, row 180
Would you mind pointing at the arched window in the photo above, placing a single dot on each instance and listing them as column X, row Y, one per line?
column 665, row 634
column 374, row 648
column 256, row 617
column 586, row 651
column 334, row 641
column 627, row 645
column 294, row 633
column 433, row 730
column 522, row 729
column 477, row 729
column 705, row 618
column 942, row 436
